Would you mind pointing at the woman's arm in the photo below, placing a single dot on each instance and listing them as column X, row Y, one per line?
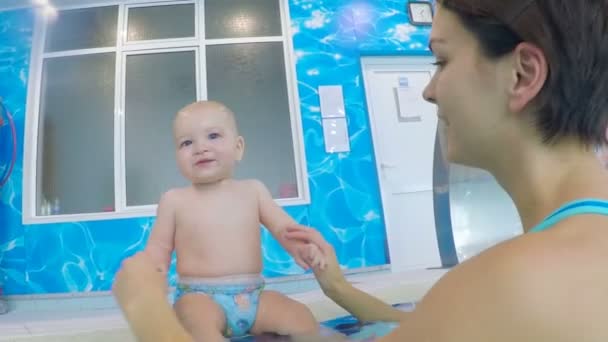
column 360, row 304
column 153, row 320
column 363, row 305
column 141, row 292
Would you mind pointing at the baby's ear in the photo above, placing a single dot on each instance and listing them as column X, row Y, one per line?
column 240, row 148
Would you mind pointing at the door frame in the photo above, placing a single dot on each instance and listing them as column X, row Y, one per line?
column 367, row 64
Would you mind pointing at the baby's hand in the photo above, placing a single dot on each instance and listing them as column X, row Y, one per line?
column 306, row 254
column 313, row 256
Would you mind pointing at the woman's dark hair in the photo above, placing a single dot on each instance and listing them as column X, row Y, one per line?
column 573, row 35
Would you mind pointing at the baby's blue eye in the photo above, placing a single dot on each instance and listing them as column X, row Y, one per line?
column 186, row 143
column 214, row 136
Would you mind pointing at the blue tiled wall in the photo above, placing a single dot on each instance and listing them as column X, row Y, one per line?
column 15, row 43
column 329, row 38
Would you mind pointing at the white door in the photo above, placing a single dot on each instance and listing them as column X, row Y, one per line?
column 403, row 130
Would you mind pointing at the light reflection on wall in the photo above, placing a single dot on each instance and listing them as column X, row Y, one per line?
column 362, row 16
column 242, row 24
column 46, row 8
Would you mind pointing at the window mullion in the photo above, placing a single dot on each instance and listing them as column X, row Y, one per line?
column 119, row 101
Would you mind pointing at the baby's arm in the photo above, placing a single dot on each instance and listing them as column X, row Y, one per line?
column 276, row 220
column 160, row 244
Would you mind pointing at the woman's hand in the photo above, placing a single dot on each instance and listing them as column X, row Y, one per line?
column 329, row 277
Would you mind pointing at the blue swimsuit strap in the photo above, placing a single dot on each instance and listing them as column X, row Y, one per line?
column 578, row 207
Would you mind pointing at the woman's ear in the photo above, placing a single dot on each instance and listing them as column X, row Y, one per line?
column 530, row 71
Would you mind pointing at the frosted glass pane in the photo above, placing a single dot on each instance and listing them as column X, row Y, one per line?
column 161, row 22
column 250, row 79
column 82, row 29
column 482, row 212
column 242, row 18
column 75, row 163
column 157, row 86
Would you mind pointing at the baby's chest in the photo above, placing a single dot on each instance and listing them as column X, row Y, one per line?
column 214, row 232
column 233, row 214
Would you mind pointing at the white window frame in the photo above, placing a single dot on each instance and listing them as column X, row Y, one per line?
column 121, row 181
column 154, row 42
column 123, row 49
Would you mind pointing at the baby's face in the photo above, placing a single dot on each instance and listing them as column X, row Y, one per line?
column 207, row 144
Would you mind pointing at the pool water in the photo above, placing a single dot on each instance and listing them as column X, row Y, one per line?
column 348, row 326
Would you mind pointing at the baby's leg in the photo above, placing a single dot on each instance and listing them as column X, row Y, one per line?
column 201, row 317
column 281, row 315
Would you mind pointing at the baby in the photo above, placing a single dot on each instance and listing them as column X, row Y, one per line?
column 214, row 228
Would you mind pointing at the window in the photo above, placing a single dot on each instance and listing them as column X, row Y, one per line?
column 149, row 77
column 106, row 82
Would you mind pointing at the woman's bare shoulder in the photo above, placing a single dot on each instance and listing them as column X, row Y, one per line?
column 497, row 295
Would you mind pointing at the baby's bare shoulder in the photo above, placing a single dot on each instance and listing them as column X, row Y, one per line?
column 176, row 195
column 254, row 186
column 176, row 192
column 179, row 199
column 250, row 183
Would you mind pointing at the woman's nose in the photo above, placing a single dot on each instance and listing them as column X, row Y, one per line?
column 428, row 94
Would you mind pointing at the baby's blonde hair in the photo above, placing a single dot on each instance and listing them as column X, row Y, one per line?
column 207, row 107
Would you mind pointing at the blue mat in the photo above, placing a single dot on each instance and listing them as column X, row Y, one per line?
column 347, row 326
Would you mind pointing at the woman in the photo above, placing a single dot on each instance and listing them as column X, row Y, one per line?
column 521, row 88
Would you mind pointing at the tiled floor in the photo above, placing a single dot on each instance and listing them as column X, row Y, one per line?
column 103, row 322
column 26, row 326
